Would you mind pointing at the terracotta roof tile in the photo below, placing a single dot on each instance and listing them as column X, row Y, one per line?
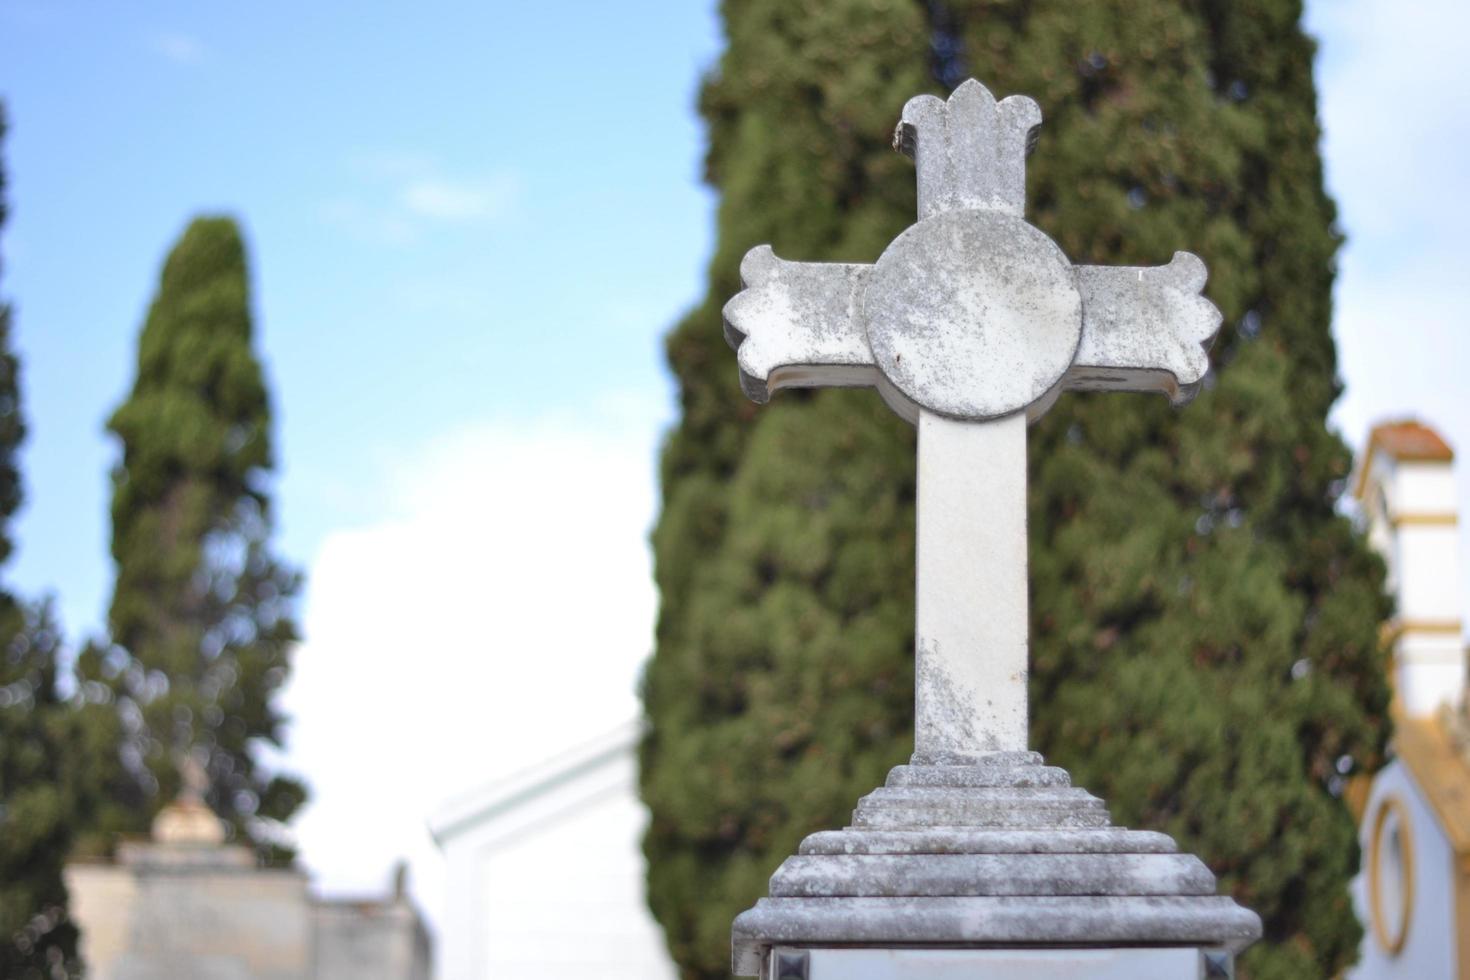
column 1410, row 439
column 1441, row 772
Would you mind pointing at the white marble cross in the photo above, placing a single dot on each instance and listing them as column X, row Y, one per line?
column 970, row 324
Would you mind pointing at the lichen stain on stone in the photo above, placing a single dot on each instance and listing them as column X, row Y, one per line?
column 945, row 716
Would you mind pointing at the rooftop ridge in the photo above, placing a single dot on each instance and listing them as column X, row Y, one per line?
column 533, row 780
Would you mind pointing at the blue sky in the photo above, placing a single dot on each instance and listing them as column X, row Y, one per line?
column 471, row 225
column 474, row 211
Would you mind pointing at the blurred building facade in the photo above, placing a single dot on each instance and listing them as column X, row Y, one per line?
column 186, row 904
column 1413, row 893
column 545, row 872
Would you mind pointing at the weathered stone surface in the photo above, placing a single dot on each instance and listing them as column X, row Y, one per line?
column 992, row 874
column 925, row 806
column 938, row 794
column 795, row 325
column 907, row 963
column 985, row 760
column 970, row 322
column 969, row 325
column 973, row 854
column 967, row 840
column 991, row 920
column 969, row 151
column 980, row 813
column 1144, row 329
column 973, row 314
column 977, row 776
column 968, row 706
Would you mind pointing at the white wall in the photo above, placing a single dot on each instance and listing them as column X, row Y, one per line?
column 1429, row 948
column 554, row 888
column 1425, row 487
column 1410, row 505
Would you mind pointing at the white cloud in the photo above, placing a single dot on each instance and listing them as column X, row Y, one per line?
column 1403, row 347
column 498, row 612
column 450, row 200
column 378, row 225
column 390, row 163
column 400, row 195
column 181, row 49
column 1393, row 82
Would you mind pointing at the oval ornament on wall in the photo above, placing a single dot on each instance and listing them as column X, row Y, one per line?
column 1391, row 875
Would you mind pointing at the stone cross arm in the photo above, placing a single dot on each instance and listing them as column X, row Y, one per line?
column 971, row 313
column 801, row 324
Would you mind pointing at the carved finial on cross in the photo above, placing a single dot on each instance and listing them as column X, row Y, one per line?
column 970, row 152
column 970, row 323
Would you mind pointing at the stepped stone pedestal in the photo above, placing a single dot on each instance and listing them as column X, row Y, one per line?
column 999, row 860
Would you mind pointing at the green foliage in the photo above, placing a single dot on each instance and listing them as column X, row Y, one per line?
column 43, row 796
column 201, row 617
column 12, row 422
column 40, row 794
column 1204, row 627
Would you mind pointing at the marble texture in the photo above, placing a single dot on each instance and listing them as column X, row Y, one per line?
column 1001, row 964
column 970, row 325
column 1004, row 851
column 970, row 551
column 971, row 313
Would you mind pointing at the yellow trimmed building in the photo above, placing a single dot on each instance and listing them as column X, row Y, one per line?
column 1413, row 893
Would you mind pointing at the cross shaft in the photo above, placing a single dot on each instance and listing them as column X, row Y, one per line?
column 971, row 617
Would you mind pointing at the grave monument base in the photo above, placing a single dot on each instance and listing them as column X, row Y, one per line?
column 941, row 963
column 998, row 858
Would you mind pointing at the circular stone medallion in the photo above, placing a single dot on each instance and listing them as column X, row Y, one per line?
column 973, row 314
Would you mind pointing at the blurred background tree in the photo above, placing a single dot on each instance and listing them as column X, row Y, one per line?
column 42, row 799
column 201, row 623
column 1205, row 645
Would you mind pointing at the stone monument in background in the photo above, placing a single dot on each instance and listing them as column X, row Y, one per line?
column 976, row 859
column 187, row 903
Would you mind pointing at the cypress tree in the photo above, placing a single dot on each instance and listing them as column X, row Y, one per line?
column 39, row 802
column 201, row 617
column 41, row 797
column 1205, row 649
